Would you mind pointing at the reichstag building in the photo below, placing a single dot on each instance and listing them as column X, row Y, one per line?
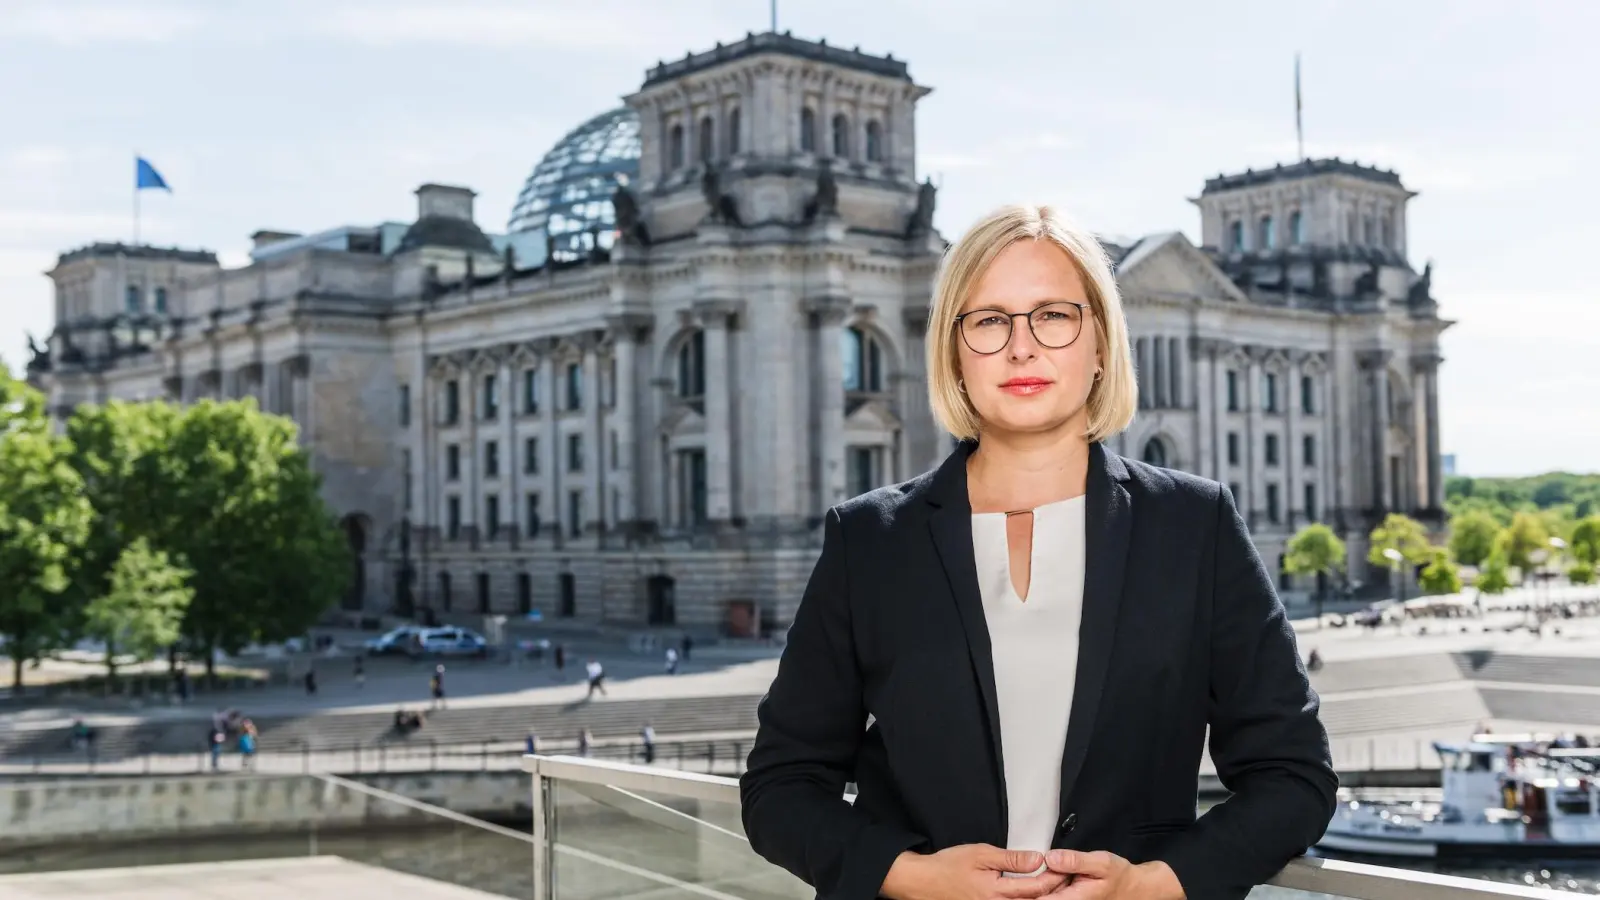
column 703, row 325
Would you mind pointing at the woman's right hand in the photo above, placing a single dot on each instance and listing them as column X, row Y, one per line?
column 969, row 872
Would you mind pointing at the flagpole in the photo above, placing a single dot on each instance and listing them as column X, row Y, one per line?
column 1299, row 131
column 136, row 200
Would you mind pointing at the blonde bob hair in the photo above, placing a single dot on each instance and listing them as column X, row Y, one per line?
column 1113, row 399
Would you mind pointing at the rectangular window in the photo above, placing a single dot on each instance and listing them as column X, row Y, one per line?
column 1233, row 391
column 530, row 391
column 1272, row 503
column 491, row 516
column 483, row 592
column 1233, row 448
column 491, row 396
column 1308, row 450
column 574, row 453
column 452, row 402
column 452, row 462
column 1308, row 395
column 1272, row 450
column 444, row 590
column 524, row 593
column 863, row 477
column 614, row 454
column 1311, row 501
column 1269, row 391
column 1237, row 492
column 616, row 506
column 574, row 386
column 405, row 406
column 405, row 477
column 611, row 383
column 453, row 518
column 530, row 456
column 491, row 459
column 530, row 521
column 692, row 486
column 575, row 514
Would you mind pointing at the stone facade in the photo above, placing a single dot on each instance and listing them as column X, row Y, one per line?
column 649, row 433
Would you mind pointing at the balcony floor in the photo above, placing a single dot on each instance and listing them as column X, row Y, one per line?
column 307, row 878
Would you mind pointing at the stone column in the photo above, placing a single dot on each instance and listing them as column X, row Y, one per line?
column 594, row 420
column 510, row 453
column 1293, row 496
column 1256, row 476
column 827, row 316
column 471, row 452
column 719, row 421
column 1205, row 409
column 921, row 448
column 552, row 508
column 627, row 331
column 1221, row 352
column 1435, row 496
column 1375, row 369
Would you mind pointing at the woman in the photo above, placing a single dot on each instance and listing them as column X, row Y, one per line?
column 1041, row 632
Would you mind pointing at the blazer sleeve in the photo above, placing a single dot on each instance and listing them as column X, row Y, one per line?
column 1269, row 747
column 809, row 728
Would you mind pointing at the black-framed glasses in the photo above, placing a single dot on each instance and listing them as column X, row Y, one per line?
column 1054, row 325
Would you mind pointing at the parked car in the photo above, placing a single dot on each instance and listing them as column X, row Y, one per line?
column 399, row 641
column 454, row 642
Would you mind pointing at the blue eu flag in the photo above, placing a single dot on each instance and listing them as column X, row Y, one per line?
column 146, row 176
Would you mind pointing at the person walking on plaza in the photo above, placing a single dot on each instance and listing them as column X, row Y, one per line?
column 597, row 677
column 585, row 742
column 1041, row 632
column 436, row 686
column 217, row 739
column 360, row 672
column 647, row 735
column 311, row 682
column 561, row 656
column 247, row 745
column 672, row 660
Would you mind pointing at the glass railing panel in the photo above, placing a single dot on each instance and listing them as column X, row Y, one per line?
column 612, row 842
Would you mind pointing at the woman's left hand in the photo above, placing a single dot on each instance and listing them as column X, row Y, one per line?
column 1099, row 875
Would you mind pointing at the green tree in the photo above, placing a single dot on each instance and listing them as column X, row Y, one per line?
column 44, row 520
column 1403, row 533
column 1585, row 543
column 1494, row 577
column 246, row 516
column 1522, row 541
column 1581, row 573
column 1314, row 549
column 1472, row 537
column 1441, row 575
column 141, row 614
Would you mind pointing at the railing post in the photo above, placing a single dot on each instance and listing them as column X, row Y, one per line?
column 543, row 808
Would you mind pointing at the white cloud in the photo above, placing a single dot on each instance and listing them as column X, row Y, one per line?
column 1454, row 168
column 23, row 226
column 570, row 26
column 76, row 23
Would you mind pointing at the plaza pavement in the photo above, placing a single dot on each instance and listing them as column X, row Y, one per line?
column 308, row 878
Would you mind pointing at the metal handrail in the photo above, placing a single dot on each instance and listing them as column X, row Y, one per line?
column 1355, row 881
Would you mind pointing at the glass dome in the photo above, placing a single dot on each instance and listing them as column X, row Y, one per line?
column 569, row 193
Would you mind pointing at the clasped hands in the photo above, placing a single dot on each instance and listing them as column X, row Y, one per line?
column 984, row 872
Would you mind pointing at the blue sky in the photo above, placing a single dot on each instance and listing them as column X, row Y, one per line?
column 303, row 115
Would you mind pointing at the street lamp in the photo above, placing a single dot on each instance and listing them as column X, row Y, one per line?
column 1395, row 558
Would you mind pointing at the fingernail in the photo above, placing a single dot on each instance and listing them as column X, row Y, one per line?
column 1056, row 857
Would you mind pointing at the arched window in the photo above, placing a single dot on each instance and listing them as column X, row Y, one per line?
column 161, row 300
column 1268, row 238
column 808, row 130
column 1236, row 236
column 707, row 139
column 1366, row 230
column 863, row 362
column 1297, row 228
column 675, row 147
column 135, row 300
column 841, row 136
column 1155, row 452
column 733, row 131
column 874, row 142
column 692, row 366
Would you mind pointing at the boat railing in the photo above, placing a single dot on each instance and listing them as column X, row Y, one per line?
column 610, row 828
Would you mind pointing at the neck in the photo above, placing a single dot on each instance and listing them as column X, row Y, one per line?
column 1012, row 471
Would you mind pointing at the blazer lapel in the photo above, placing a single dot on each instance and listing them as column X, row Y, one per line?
column 1109, row 521
column 951, row 525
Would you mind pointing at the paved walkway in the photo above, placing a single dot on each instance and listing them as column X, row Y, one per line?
column 307, row 878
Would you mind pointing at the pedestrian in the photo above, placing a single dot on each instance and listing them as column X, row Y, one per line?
column 648, row 736
column 436, row 686
column 688, row 645
column 672, row 660
column 561, row 656
column 585, row 742
column 533, row 743
column 182, row 684
column 361, row 672
column 311, row 682
column 597, row 677
column 217, row 739
column 247, row 745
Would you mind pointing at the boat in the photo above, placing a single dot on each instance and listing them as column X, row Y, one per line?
column 1503, row 796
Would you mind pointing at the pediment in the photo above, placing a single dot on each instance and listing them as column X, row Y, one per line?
column 871, row 415
column 1167, row 265
column 683, row 418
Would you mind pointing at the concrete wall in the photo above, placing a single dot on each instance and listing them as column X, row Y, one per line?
column 139, row 808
